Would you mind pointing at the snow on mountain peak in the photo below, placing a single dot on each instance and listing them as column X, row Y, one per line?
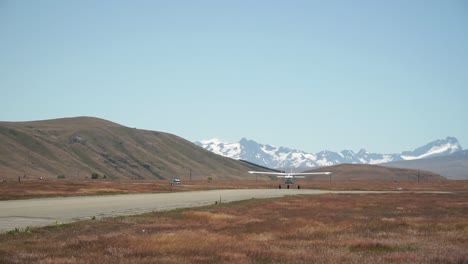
column 435, row 148
column 283, row 157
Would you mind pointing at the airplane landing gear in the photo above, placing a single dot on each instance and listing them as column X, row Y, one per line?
column 287, row 186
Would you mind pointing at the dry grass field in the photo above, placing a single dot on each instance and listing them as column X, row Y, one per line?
column 52, row 188
column 35, row 189
column 333, row 228
column 26, row 189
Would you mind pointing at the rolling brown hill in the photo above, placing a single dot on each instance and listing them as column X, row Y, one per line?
column 77, row 147
column 344, row 172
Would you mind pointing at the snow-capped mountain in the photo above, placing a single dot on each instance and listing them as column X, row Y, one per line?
column 281, row 157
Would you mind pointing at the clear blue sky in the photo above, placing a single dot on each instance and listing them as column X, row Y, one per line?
column 313, row 75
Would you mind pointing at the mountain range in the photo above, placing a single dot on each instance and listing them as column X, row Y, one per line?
column 283, row 157
column 76, row 148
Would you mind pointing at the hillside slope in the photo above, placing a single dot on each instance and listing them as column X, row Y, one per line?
column 453, row 167
column 344, row 172
column 77, row 147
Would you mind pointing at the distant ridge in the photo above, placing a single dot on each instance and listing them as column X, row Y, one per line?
column 79, row 146
column 454, row 167
column 283, row 157
column 79, row 121
column 345, row 172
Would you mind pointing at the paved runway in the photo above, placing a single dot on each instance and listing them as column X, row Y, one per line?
column 46, row 211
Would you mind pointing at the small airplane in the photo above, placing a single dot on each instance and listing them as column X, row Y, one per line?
column 290, row 178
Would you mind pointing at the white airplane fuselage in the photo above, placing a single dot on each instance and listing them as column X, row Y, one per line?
column 290, row 178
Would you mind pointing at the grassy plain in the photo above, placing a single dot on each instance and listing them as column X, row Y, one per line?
column 332, row 228
column 53, row 188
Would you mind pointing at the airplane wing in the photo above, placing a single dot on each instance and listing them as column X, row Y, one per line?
column 269, row 173
column 297, row 175
column 312, row 173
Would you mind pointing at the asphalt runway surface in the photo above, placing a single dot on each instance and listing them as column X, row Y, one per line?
column 49, row 211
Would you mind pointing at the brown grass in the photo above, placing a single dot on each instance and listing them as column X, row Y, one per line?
column 77, row 147
column 362, row 172
column 52, row 188
column 365, row 228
